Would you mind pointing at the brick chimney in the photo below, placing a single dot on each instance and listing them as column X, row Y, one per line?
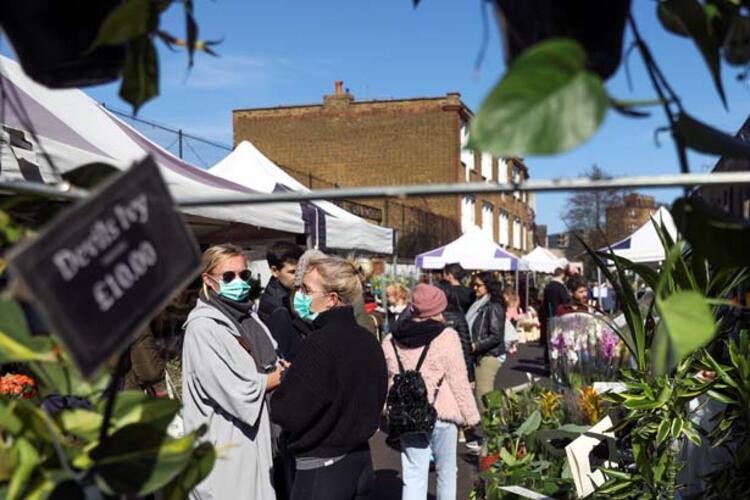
column 339, row 100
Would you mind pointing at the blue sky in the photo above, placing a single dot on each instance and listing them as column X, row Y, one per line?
column 281, row 52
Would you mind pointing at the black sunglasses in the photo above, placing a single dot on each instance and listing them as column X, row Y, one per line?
column 228, row 276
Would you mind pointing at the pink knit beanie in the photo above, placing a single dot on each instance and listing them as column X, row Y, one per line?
column 428, row 301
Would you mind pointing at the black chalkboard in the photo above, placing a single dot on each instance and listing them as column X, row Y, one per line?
column 105, row 266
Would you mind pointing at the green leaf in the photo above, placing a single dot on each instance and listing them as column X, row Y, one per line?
column 546, row 103
column 721, row 397
column 689, row 16
column 506, row 457
column 704, row 225
column 128, row 21
column 15, row 352
column 706, row 139
column 676, row 429
column 618, row 474
column 199, row 467
column 691, row 434
column 663, row 431
column 27, row 461
column 140, row 459
column 688, row 321
column 530, row 425
column 140, row 78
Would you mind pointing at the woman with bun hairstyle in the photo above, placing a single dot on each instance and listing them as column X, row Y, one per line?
column 229, row 363
column 330, row 399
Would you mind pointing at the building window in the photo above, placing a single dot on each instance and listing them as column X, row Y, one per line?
column 504, row 228
column 516, row 233
column 502, row 171
column 467, row 156
column 468, row 213
column 487, row 219
column 487, row 166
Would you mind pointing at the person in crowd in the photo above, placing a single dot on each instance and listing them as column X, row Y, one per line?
column 147, row 364
column 274, row 306
column 453, row 275
column 397, row 296
column 579, row 293
column 330, row 400
column 455, row 318
column 486, row 320
column 512, row 305
column 554, row 294
column 229, row 363
column 446, row 380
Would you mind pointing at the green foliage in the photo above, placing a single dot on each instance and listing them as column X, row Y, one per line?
column 547, row 102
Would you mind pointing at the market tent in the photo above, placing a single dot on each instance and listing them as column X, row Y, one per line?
column 644, row 245
column 542, row 260
column 247, row 166
column 69, row 129
column 474, row 250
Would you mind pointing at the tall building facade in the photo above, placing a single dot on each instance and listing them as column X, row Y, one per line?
column 346, row 143
column 623, row 220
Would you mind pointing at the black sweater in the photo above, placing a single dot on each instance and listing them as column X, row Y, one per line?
column 330, row 399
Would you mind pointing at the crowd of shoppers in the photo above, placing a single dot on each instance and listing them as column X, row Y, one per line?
column 291, row 395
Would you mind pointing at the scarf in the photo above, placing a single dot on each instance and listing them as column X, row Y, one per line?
column 252, row 331
column 471, row 314
column 418, row 333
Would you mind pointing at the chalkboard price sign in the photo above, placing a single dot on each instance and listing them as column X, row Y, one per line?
column 106, row 265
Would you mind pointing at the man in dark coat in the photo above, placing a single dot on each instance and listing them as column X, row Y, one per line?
column 554, row 295
column 451, row 284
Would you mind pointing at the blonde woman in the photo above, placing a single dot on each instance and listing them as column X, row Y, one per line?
column 229, row 363
column 330, row 400
column 397, row 296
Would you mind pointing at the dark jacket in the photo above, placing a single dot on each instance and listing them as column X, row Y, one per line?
column 289, row 330
column 146, row 364
column 460, row 295
column 273, row 297
column 457, row 321
column 330, row 399
column 555, row 293
column 488, row 330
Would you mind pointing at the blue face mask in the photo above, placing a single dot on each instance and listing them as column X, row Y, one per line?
column 302, row 303
column 237, row 290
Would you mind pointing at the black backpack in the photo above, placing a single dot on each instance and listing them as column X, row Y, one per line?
column 408, row 410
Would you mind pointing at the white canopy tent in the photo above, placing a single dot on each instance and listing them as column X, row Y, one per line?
column 73, row 130
column 248, row 167
column 542, row 260
column 644, row 245
column 474, row 250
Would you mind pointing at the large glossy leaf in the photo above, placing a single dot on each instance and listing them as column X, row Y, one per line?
column 199, row 467
column 688, row 321
column 126, row 22
column 12, row 351
column 530, row 425
column 140, row 78
column 689, row 16
column 546, row 103
column 27, row 460
column 139, row 459
column 706, row 139
column 721, row 238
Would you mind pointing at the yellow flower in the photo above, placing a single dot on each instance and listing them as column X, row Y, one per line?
column 549, row 402
column 591, row 404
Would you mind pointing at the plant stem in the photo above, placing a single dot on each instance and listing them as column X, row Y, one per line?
column 112, row 391
column 660, row 84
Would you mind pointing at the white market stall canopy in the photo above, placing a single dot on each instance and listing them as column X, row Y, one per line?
column 334, row 227
column 542, row 260
column 474, row 250
column 74, row 130
column 644, row 245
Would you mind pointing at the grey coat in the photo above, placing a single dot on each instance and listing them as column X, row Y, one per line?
column 222, row 389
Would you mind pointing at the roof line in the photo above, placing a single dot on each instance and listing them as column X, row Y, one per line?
column 353, row 103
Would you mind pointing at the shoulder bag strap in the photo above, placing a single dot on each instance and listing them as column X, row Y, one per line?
column 398, row 359
column 422, row 356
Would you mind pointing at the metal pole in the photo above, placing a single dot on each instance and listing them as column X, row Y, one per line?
column 526, row 304
column 554, row 185
column 179, row 140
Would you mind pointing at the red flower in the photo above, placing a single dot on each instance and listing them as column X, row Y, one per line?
column 487, row 462
column 18, row 386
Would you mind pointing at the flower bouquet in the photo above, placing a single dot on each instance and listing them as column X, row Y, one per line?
column 583, row 349
column 528, row 326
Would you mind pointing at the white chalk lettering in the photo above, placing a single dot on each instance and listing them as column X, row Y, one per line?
column 113, row 286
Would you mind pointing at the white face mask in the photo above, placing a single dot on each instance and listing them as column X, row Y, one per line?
column 397, row 308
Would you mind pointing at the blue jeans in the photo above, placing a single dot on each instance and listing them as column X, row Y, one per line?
column 415, row 462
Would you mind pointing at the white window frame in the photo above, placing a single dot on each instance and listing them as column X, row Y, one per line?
column 504, row 228
column 488, row 211
column 468, row 213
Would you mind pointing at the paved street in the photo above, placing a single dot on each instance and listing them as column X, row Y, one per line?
column 387, row 462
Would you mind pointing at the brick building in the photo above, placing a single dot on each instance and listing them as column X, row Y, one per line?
column 623, row 220
column 346, row 143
